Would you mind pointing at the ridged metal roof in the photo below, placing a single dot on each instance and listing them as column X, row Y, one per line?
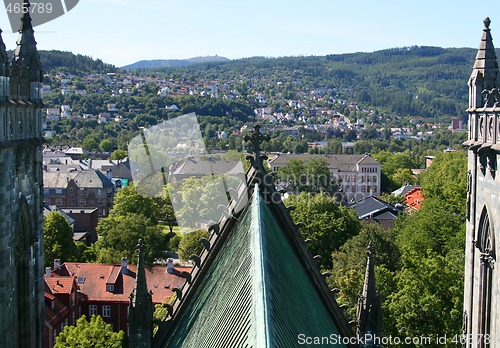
column 257, row 292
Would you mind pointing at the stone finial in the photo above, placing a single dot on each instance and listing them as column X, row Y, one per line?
column 256, row 140
column 487, row 22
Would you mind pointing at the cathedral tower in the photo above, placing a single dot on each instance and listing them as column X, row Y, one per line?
column 21, row 219
column 481, row 302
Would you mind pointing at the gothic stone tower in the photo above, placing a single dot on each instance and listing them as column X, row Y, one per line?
column 21, row 219
column 482, row 283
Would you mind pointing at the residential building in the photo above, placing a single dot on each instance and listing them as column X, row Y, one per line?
column 414, row 199
column 21, row 223
column 482, row 281
column 358, row 175
column 105, row 289
column 84, row 189
column 62, row 305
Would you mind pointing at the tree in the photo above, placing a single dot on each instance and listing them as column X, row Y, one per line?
column 325, row 222
column 127, row 200
column 429, row 285
column 95, row 333
column 446, row 180
column 119, row 235
column 190, row 244
column 349, row 265
column 106, row 145
column 58, row 239
column 119, row 154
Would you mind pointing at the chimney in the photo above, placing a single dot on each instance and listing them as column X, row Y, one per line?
column 57, row 264
column 124, row 266
column 170, row 265
column 48, row 271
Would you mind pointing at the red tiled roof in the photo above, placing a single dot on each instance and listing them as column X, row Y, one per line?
column 414, row 198
column 59, row 285
column 92, row 279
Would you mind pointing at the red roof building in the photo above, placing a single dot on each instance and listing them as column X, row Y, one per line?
column 61, row 305
column 105, row 289
column 414, row 198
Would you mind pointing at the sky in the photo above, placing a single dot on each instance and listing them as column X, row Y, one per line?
column 122, row 32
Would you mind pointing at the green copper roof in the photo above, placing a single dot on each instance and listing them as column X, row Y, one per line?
column 257, row 292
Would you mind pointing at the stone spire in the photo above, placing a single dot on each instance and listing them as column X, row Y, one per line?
column 369, row 322
column 485, row 72
column 140, row 315
column 26, row 60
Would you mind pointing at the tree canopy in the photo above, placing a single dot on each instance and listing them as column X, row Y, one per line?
column 325, row 222
column 58, row 240
column 94, row 333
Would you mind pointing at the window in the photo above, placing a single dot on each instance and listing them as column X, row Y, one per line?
column 353, row 178
column 106, row 311
column 92, row 310
column 82, row 202
column 487, row 255
column 110, row 287
column 353, row 188
column 99, row 202
column 54, row 335
column 363, row 189
column 59, row 201
column 58, row 191
column 374, row 178
column 362, row 178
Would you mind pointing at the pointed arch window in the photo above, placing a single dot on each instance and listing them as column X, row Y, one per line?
column 486, row 246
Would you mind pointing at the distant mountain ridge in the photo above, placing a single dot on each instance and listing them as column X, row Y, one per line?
column 160, row 63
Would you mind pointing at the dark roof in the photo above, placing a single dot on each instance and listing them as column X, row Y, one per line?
column 193, row 167
column 92, row 179
column 83, row 179
column 255, row 284
column 403, row 190
column 375, row 208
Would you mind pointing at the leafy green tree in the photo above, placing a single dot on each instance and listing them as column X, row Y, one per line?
column 325, row 222
column 429, row 286
column 91, row 143
column 119, row 235
column 58, row 239
column 446, row 180
column 106, row 145
column 119, row 154
column 349, row 265
column 127, row 200
column 391, row 163
column 190, row 243
column 95, row 333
